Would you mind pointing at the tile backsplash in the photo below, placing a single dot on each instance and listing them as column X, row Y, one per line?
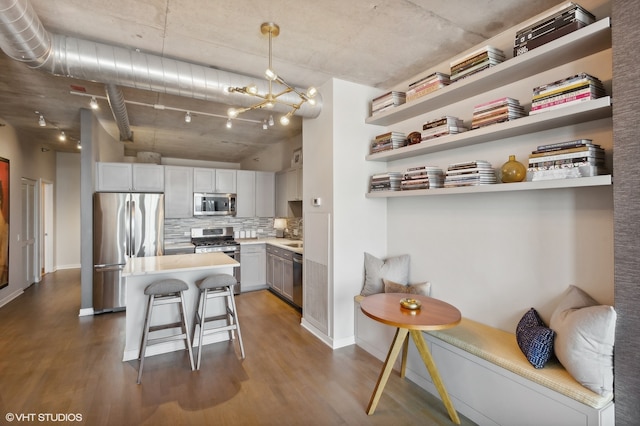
column 179, row 230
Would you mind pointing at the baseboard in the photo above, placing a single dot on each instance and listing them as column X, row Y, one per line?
column 85, row 312
column 313, row 330
column 10, row 297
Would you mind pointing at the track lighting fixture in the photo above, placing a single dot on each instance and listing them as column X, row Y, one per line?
column 269, row 99
column 62, row 137
column 229, row 123
column 271, row 123
column 187, row 117
column 265, row 126
column 93, row 103
column 41, row 121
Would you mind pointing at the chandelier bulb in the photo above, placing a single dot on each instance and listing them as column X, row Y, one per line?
column 311, row 92
column 187, row 117
column 252, row 89
column 229, row 123
column 270, row 74
column 232, row 113
column 284, row 120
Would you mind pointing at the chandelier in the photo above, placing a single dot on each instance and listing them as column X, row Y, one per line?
column 269, row 99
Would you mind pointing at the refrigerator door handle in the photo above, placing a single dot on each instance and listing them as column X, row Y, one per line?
column 106, row 268
column 127, row 239
column 132, row 215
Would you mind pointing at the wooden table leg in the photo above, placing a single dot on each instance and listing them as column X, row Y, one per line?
column 405, row 351
column 394, row 350
column 423, row 349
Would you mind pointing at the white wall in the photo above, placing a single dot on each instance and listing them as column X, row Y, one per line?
column 67, row 196
column 27, row 160
column 335, row 145
column 273, row 158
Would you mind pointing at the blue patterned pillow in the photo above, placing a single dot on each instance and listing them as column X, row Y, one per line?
column 535, row 339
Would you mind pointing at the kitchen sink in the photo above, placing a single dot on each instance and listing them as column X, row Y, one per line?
column 294, row 245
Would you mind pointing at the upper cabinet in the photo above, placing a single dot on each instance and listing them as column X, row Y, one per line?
column 255, row 194
column 294, row 184
column 214, row 180
column 127, row 177
column 265, row 194
column 178, row 193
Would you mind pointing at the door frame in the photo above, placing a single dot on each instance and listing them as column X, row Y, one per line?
column 46, row 238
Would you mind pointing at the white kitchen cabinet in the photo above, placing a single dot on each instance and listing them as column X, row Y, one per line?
column 225, row 181
column 214, row 180
column 246, row 194
column 253, row 267
column 282, row 206
column 148, row 177
column 178, row 192
column 114, row 177
column 128, row 177
column 204, row 180
column 265, row 194
column 294, row 184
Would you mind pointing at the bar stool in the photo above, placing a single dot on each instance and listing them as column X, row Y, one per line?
column 165, row 292
column 213, row 287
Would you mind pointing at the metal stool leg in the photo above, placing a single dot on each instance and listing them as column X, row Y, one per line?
column 202, row 316
column 145, row 337
column 185, row 329
column 237, row 322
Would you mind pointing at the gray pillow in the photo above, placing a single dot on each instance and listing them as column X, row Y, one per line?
column 585, row 334
column 418, row 288
column 394, row 268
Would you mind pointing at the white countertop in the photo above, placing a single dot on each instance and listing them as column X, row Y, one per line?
column 176, row 263
column 280, row 242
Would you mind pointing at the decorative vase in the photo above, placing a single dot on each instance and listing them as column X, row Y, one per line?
column 513, row 170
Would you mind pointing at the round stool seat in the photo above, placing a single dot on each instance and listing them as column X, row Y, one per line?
column 167, row 286
column 217, row 281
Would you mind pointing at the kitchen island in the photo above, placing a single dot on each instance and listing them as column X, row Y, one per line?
column 142, row 271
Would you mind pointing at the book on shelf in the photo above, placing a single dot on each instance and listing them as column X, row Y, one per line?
column 567, row 144
column 580, row 149
column 562, row 104
column 563, row 84
column 567, row 18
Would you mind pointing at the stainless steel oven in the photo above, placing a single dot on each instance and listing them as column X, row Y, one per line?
column 218, row 240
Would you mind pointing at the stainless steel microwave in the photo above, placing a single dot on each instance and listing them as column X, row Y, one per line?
column 214, row 204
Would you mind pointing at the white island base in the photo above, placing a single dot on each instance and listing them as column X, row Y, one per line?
column 190, row 268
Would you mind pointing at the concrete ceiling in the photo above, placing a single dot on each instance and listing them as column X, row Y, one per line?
column 377, row 43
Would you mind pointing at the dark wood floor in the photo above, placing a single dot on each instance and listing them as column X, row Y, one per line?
column 52, row 361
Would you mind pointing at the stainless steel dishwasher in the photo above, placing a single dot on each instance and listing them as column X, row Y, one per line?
column 297, row 279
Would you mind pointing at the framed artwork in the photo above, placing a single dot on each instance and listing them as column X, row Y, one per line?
column 296, row 160
column 4, row 222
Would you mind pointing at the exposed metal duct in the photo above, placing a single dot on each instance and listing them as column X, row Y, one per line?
column 22, row 37
column 119, row 110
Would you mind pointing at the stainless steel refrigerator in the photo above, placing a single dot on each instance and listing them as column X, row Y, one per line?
column 125, row 225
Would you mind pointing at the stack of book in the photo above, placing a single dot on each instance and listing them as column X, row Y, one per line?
column 567, row 18
column 427, row 85
column 387, row 141
column 389, row 181
column 566, row 92
column 496, row 111
column 442, row 126
column 387, row 101
column 475, row 62
column 470, row 173
column 422, row 177
column 576, row 158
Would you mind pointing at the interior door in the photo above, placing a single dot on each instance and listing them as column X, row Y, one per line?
column 27, row 238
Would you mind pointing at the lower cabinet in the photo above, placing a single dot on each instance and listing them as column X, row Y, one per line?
column 253, row 266
column 280, row 271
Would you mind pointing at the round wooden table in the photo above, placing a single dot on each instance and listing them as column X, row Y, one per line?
column 433, row 314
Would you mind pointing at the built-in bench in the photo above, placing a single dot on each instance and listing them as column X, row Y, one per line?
column 489, row 379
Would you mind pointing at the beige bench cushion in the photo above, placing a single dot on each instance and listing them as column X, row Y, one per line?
column 501, row 348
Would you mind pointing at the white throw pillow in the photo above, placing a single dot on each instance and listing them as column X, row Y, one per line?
column 585, row 335
column 395, row 269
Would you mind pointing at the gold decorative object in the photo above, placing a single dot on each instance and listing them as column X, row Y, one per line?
column 513, row 170
column 411, row 304
column 267, row 100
